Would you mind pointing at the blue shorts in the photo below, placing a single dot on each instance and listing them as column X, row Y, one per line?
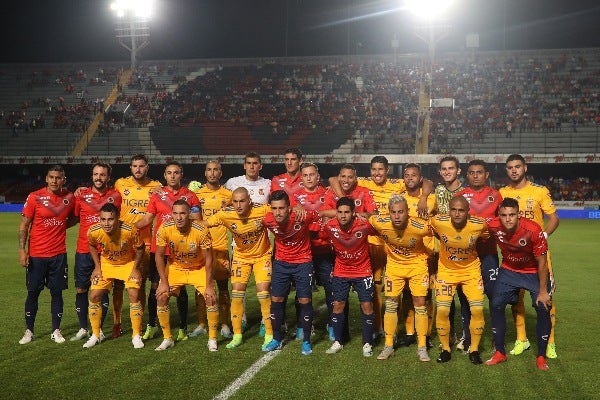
column 489, row 272
column 84, row 266
column 51, row 272
column 284, row 273
column 323, row 266
column 362, row 286
column 508, row 285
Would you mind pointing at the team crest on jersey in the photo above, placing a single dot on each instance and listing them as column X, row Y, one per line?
column 322, row 199
column 522, row 242
column 444, row 238
column 491, row 199
column 184, row 198
column 233, row 227
column 124, row 245
column 126, row 192
column 258, row 223
column 471, row 241
column 529, row 204
column 66, row 202
column 412, row 242
column 282, row 183
column 110, row 200
column 297, row 227
column 261, row 191
column 358, row 234
column 192, row 247
column 357, row 202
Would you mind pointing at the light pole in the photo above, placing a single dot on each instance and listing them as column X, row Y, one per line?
column 132, row 26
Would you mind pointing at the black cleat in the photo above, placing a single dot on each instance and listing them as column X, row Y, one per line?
column 444, row 357
column 475, row 358
column 407, row 340
column 428, row 342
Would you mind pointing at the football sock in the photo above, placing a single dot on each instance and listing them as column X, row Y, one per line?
column 81, row 307
column 276, row 318
column 390, row 321
column 368, row 324
column 164, row 315
column 95, row 314
column 542, row 328
column 442, row 324
column 151, row 307
column 338, row 321
column 212, row 313
column 201, row 309
column 264, row 298
column 306, row 316
column 377, row 306
column 421, row 321
column 237, row 310
column 56, row 308
column 136, row 312
column 31, row 308
column 518, row 311
column 182, row 307
column 498, row 327
column 476, row 325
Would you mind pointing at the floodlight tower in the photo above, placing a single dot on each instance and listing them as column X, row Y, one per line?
column 431, row 12
column 133, row 25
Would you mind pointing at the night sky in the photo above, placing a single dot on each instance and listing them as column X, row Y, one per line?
column 83, row 30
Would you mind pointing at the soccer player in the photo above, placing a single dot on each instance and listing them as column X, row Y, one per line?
column 406, row 265
column 47, row 214
column 214, row 197
column 189, row 263
column 459, row 265
column 117, row 251
column 483, row 202
column 257, row 186
column 161, row 206
column 87, row 207
column 349, row 237
column 293, row 263
column 135, row 191
column 535, row 202
column 291, row 179
column 524, row 267
column 252, row 254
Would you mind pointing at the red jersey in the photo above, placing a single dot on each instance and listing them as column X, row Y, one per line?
column 363, row 200
column 161, row 205
column 314, row 201
column 287, row 183
column 49, row 213
column 87, row 208
column 519, row 249
column 483, row 204
column 292, row 241
column 351, row 248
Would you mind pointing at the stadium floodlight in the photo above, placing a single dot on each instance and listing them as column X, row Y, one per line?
column 133, row 30
column 428, row 9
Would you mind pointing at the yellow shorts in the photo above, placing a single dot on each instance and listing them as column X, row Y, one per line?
column 111, row 272
column 221, row 266
column 470, row 280
column 378, row 261
column 181, row 277
column 242, row 268
column 397, row 276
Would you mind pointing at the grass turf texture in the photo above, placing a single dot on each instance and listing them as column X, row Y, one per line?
column 44, row 369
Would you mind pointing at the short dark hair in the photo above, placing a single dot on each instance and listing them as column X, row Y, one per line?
column 345, row 201
column 381, row 160
column 450, row 158
column 413, row 165
column 103, row 165
column 175, row 163
column 111, row 208
column 280, row 195
column 295, row 151
column 307, row 164
column 57, row 168
column 253, row 154
column 515, row 157
column 138, row 157
column 479, row 162
column 509, row 202
column 348, row 166
column 181, row 202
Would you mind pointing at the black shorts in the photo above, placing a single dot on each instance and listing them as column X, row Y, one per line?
column 51, row 272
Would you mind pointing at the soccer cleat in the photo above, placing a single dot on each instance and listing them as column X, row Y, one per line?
column 235, row 342
column 407, row 340
column 150, row 333
column 181, row 335
column 461, row 344
column 57, row 336
column 272, row 346
column 540, row 362
column 199, row 330
column 367, row 350
column 268, row 339
column 91, row 342
column 551, row 350
column 27, row 337
column 102, row 337
column 497, row 358
column 226, row 332
column 82, row 333
column 444, row 357
column 428, row 342
column 475, row 358
column 262, row 330
column 330, row 333
column 166, row 344
column 306, row 349
column 212, row 344
column 335, row 348
column 299, row 334
column 423, row 354
column 386, row 353
column 520, row 347
column 116, row 331
column 137, row 342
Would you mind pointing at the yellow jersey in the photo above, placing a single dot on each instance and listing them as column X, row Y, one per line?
column 212, row 201
column 185, row 248
column 135, row 202
column 534, row 201
column 118, row 248
column 458, row 249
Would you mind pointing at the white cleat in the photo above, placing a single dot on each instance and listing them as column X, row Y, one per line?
column 137, row 342
column 212, row 345
column 80, row 335
column 91, row 342
column 336, row 347
column 57, row 336
column 166, row 344
column 27, row 337
column 226, row 332
column 367, row 350
column 200, row 330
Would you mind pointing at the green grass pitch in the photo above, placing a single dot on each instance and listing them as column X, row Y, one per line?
column 46, row 370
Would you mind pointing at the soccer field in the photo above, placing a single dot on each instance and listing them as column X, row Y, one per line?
column 46, row 370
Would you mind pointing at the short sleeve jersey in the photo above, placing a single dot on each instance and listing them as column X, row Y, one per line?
column 212, row 201
column 161, row 205
column 520, row 248
column 382, row 193
column 292, row 241
column 185, row 248
column 287, row 183
column 483, row 203
column 404, row 248
column 413, row 203
column 443, row 196
column 458, row 248
column 363, row 200
column 249, row 233
column 314, row 201
column 258, row 190
column 534, row 200
column 116, row 249
column 351, row 248
column 87, row 208
column 49, row 214
column 135, row 202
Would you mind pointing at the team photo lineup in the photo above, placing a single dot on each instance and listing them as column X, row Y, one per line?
column 407, row 248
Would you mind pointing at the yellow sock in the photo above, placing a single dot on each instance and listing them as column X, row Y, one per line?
column 390, row 321
column 136, row 312
column 518, row 311
column 95, row 314
column 264, row 298
column 421, row 321
column 237, row 310
column 200, row 309
column 377, row 306
column 442, row 324
column 213, row 321
column 552, row 321
column 476, row 326
column 164, row 319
